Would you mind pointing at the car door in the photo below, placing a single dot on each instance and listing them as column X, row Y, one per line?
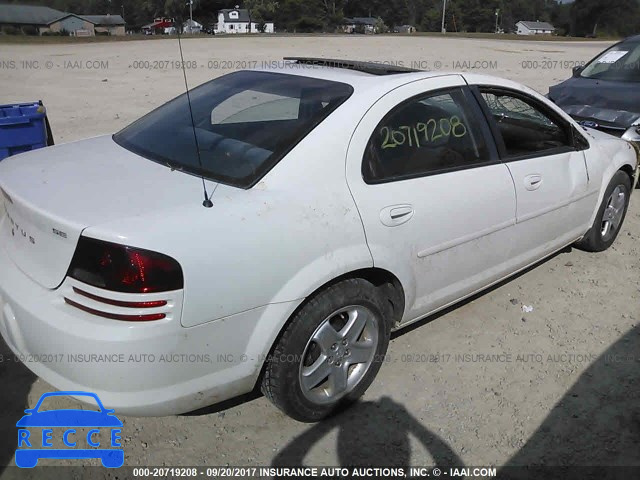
column 554, row 203
column 435, row 201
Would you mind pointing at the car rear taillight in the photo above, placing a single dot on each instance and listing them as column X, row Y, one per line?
column 116, row 316
column 120, row 268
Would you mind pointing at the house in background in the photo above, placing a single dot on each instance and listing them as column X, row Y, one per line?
column 74, row 24
column 534, row 28
column 109, row 24
column 362, row 25
column 41, row 20
column 191, row 26
column 27, row 17
column 238, row 21
column 89, row 25
column 159, row 26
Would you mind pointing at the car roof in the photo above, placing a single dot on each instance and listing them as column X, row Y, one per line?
column 361, row 80
column 374, row 68
column 357, row 79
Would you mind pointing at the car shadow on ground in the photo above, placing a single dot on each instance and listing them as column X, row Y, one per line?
column 596, row 423
column 227, row 404
column 15, row 384
column 371, row 434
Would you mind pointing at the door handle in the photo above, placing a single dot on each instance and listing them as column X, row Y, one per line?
column 400, row 212
column 532, row 182
column 394, row 215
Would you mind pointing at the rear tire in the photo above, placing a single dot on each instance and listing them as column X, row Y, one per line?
column 329, row 353
column 610, row 216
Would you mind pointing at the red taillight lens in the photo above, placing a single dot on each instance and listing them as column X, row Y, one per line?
column 120, row 268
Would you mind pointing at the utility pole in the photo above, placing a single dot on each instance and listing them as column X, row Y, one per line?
column 190, row 16
column 444, row 9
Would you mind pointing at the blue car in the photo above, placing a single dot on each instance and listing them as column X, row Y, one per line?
column 31, row 448
column 605, row 93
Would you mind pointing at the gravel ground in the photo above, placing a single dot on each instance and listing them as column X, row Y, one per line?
column 562, row 386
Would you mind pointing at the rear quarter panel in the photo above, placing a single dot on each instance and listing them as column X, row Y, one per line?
column 294, row 231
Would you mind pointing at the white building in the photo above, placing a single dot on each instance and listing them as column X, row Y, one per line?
column 362, row 25
column 191, row 26
column 534, row 28
column 237, row 21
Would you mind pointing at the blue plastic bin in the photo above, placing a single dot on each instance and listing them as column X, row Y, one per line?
column 23, row 127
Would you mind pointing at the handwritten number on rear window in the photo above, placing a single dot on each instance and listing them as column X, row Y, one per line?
column 427, row 132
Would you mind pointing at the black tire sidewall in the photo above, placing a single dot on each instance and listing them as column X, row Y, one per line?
column 619, row 179
column 286, row 356
column 594, row 241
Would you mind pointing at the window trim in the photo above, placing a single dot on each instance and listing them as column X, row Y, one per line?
column 473, row 109
column 477, row 91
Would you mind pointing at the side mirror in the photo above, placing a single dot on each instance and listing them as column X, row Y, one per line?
column 577, row 69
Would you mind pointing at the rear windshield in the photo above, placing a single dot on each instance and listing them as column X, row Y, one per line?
column 621, row 62
column 245, row 122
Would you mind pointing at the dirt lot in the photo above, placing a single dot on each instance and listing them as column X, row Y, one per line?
column 563, row 385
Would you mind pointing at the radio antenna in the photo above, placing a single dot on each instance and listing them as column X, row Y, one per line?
column 207, row 203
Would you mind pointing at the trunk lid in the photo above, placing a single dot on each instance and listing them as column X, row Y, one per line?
column 51, row 195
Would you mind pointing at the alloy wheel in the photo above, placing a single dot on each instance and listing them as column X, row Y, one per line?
column 338, row 354
column 613, row 213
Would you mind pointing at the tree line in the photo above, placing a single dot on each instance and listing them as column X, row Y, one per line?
column 579, row 18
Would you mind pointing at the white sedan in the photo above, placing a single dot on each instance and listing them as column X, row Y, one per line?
column 276, row 232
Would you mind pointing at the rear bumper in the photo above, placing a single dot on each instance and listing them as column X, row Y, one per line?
column 145, row 369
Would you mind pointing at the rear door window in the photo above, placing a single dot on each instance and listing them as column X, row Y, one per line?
column 433, row 133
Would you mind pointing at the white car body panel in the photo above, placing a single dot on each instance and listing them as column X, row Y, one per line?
column 443, row 226
column 251, row 260
column 202, row 365
column 552, row 212
column 604, row 159
column 73, row 178
column 294, row 223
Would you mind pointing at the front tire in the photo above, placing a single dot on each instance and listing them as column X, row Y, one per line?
column 610, row 215
column 329, row 353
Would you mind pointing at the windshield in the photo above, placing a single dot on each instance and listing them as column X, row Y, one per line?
column 621, row 62
column 245, row 122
